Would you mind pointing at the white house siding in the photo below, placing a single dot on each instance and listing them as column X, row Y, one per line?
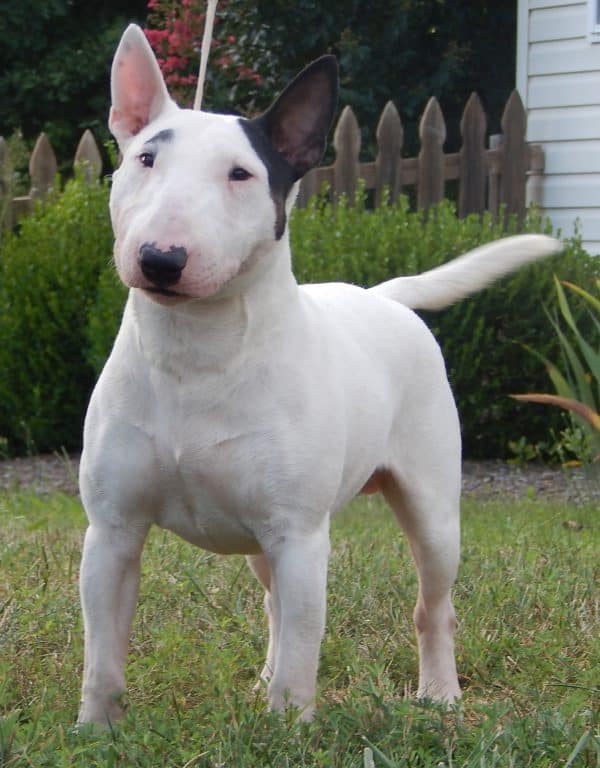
column 558, row 77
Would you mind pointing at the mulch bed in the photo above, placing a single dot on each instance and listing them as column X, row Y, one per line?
column 482, row 479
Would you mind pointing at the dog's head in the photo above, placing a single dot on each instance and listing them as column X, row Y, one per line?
column 200, row 198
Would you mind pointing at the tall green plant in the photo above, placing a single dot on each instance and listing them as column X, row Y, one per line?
column 578, row 387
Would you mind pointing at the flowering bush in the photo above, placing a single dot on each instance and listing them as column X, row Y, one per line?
column 239, row 73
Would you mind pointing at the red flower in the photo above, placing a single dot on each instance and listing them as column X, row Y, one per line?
column 155, row 36
column 174, row 40
column 177, row 40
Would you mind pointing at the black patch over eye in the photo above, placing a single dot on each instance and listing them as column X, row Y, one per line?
column 147, row 159
column 239, row 174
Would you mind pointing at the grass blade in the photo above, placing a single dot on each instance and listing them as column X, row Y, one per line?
column 386, row 761
column 592, row 358
column 561, row 385
column 579, row 386
column 567, row 403
column 579, row 747
column 585, row 294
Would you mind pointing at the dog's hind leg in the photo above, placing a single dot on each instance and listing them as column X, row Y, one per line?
column 429, row 515
column 261, row 569
column 109, row 582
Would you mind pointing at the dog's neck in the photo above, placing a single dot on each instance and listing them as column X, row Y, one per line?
column 222, row 331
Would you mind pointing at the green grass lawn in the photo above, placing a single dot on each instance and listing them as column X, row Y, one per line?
column 528, row 649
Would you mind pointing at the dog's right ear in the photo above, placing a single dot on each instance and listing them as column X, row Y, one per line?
column 298, row 122
column 139, row 93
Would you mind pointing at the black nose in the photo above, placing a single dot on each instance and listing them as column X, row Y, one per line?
column 163, row 268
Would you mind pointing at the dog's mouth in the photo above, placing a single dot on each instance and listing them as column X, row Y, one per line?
column 164, row 292
column 164, row 295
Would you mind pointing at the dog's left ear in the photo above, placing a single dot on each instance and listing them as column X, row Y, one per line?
column 139, row 93
column 298, row 121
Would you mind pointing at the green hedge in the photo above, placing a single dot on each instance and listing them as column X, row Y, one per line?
column 49, row 273
column 60, row 307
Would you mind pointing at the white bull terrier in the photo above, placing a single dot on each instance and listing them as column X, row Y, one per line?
column 241, row 410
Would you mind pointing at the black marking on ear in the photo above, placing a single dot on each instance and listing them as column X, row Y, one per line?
column 298, row 121
column 290, row 136
column 281, row 174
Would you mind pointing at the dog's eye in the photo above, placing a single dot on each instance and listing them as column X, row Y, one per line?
column 147, row 159
column 239, row 174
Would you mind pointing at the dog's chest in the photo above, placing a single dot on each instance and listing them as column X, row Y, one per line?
column 206, row 495
column 221, row 466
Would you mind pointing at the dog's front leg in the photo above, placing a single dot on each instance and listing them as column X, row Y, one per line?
column 299, row 580
column 109, row 581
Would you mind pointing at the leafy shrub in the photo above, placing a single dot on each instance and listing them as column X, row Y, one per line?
column 48, row 278
column 481, row 337
column 14, row 178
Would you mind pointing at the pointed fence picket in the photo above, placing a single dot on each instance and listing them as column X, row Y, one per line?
column 431, row 171
column 514, row 160
column 346, row 142
column 388, row 163
column 508, row 173
column 472, row 162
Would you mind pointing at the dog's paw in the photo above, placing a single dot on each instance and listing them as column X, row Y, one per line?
column 447, row 693
column 299, row 703
column 102, row 711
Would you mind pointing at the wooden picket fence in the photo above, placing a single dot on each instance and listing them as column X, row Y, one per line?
column 507, row 173
column 42, row 173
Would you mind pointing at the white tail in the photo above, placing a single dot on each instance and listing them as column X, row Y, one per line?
column 467, row 274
